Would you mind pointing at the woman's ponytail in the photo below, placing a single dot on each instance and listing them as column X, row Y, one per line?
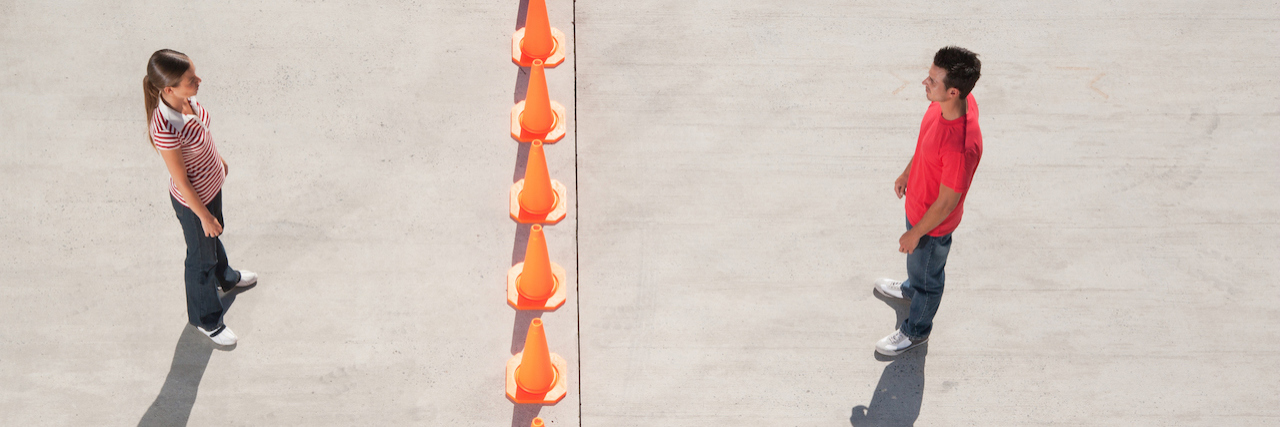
column 151, row 100
column 164, row 69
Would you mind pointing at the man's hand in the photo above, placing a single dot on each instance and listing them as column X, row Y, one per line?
column 947, row 201
column 226, row 170
column 907, row 243
column 900, row 185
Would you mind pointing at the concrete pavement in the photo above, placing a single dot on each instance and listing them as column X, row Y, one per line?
column 1114, row 266
column 369, row 168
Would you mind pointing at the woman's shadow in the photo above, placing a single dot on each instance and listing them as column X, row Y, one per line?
column 172, row 406
column 898, row 395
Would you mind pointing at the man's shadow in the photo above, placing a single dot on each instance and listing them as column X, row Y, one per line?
column 898, row 395
column 172, row 406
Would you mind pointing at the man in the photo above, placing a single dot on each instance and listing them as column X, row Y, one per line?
column 935, row 183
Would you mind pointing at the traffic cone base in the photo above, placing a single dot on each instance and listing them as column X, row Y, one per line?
column 558, row 296
column 558, row 391
column 518, row 56
column 557, row 213
column 522, row 135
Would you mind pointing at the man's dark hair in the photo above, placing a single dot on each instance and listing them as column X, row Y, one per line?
column 962, row 66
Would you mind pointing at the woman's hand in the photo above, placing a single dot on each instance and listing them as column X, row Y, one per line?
column 211, row 226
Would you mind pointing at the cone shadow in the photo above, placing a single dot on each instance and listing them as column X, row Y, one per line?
column 172, row 406
column 522, row 243
column 522, row 85
column 522, row 162
column 524, row 413
column 520, row 17
column 899, row 394
column 520, row 329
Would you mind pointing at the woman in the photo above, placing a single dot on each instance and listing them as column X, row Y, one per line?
column 179, row 130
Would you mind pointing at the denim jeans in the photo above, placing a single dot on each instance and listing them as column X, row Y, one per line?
column 206, row 265
column 925, row 277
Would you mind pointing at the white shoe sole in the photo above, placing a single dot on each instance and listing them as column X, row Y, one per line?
column 895, row 353
column 882, row 292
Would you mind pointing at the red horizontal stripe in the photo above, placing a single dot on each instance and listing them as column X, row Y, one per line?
column 199, row 154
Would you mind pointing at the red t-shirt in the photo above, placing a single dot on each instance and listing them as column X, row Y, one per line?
column 947, row 153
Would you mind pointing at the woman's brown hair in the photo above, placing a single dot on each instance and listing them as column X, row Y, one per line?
column 164, row 69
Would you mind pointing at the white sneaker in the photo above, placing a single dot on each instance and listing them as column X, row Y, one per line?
column 890, row 288
column 221, row 336
column 896, row 343
column 247, row 278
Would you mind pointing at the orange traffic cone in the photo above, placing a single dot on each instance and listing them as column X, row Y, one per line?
column 537, row 40
column 536, row 375
column 538, row 43
column 537, row 422
column 537, row 283
column 537, row 117
column 537, row 198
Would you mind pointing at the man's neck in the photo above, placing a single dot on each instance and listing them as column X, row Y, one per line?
column 954, row 108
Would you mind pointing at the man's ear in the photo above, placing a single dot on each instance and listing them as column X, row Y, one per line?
column 953, row 92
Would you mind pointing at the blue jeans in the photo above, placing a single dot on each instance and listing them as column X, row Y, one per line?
column 925, row 277
column 206, row 265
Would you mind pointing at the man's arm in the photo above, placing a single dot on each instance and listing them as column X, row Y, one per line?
column 938, row 211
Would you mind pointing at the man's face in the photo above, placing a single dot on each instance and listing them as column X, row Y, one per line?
column 934, row 88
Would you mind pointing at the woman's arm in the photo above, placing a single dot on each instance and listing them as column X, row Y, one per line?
column 178, row 170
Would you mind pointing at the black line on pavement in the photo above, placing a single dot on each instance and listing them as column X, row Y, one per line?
column 577, row 256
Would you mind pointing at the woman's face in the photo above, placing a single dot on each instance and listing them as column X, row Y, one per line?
column 187, row 86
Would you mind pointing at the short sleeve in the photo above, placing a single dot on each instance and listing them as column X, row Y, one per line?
column 164, row 137
column 955, row 169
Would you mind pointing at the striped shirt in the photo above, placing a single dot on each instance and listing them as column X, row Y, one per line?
column 172, row 130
